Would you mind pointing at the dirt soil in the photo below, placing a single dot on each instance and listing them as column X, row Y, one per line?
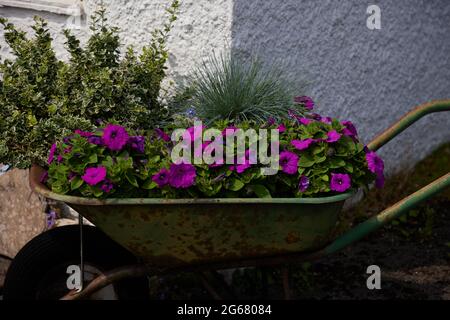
column 411, row 267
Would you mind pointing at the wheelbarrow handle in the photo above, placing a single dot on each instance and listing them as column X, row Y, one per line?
column 388, row 214
column 407, row 120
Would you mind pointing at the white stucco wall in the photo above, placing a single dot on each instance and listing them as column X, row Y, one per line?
column 369, row 77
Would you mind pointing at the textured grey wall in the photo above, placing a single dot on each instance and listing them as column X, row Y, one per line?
column 369, row 77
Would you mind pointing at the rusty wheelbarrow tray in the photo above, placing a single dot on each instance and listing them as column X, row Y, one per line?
column 191, row 234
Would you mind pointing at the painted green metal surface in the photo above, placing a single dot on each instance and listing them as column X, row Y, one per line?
column 175, row 232
column 389, row 214
column 407, row 120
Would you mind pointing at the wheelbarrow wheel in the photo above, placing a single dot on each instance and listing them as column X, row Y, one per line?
column 39, row 270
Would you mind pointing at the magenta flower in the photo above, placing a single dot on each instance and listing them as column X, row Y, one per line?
column 376, row 165
column 316, row 116
column 304, row 121
column 302, row 144
column 162, row 177
column 137, row 143
column 197, row 130
column 326, row 120
column 333, row 136
column 340, row 182
column 93, row 176
column 303, row 183
column 67, row 150
column 95, row 140
column 115, row 137
column 162, row 135
column 71, row 175
column 289, row 162
column 246, row 162
column 84, row 134
column 217, row 164
column 51, row 155
column 182, row 175
column 281, row 128
column 306, row 101
column 107, row 186
column 59, row 159
column 374, row 162
column 349, row 129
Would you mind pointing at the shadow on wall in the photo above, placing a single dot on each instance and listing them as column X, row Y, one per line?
column 371, row 77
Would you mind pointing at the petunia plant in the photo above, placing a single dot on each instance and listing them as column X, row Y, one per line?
column 318, row 156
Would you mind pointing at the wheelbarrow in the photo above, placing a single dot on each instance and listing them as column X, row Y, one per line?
column 166, row 236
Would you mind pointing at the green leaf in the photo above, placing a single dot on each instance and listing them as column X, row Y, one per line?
column 337, row 163
column 235, row 185
column 92, row 158
column 306, row 161
column 261, row 191
column 131, row 179
column 76, row 183
column 149, row 184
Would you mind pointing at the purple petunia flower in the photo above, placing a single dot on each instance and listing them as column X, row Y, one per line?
column 44, row 177
column 195, row 131
column 376, row 165
column 137, row 143
column 84, row 134
column 306, row 101
column 162, row 177
column 95, row 140
column 302, row 144
column 59, row 159
column 93, row 176
column 217, row 164
column 270, row 121
column 289, row 162
column 326, row 120
column 182, row 175
column 107, row 186
column 304, row 121
column 71, row 175
column 51, row 155
column 162, row 135
column 303, row 183
column 374, row 162
column 349, row 129
column 340, row 182
column 281, row 128
column 316, row 116
column 115, row 137
column 333, row 136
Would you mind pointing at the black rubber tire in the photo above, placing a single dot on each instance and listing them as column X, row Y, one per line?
column 48, row 255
